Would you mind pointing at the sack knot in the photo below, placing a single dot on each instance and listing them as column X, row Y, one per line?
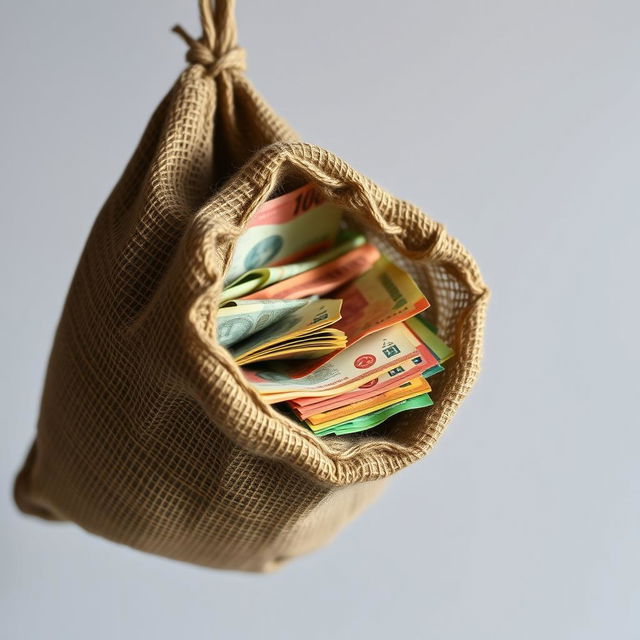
column 233, row 60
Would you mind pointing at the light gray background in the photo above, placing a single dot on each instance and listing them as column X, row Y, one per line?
column 514, row 123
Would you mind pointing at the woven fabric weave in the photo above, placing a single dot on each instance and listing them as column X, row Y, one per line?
column 148, row 433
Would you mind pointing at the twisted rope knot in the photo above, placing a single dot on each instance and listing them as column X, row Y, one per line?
column 233, row 60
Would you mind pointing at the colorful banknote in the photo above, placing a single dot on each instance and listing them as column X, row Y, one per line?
column 383, row 296
column 284, row 230
column 417, row 366
column 364, row 361
column 257, row 279
column 375, row 418
column 302, row 333
column 409, row 389
column 322, row 279
column 390, row 380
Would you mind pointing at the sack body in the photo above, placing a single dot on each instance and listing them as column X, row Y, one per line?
column 148, row 433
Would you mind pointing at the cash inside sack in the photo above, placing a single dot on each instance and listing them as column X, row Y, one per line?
column 322, row 323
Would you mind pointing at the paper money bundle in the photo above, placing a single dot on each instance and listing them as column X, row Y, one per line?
column 323, row 323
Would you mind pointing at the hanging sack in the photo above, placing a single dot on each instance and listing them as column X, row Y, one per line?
column 149, row 434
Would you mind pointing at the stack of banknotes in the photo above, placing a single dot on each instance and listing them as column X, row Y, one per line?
column 322, row 323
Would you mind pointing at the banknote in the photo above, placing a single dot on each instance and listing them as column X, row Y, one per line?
column 409, row 389
column 257, row 279
column 436, row 345
column 375, row 418
column 354, row 366
column 303, row 331
column 322, row 279
column 303, row 348
column 420, row 365
column 389, row 380
column 383, row 296
column 284, row 230
column 242, row 318
column 350, row 385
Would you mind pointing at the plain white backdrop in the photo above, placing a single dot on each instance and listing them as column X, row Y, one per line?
column 515, row 123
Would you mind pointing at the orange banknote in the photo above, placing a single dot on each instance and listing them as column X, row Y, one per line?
column 322, row 279
column 383, row 296
column 409, row 389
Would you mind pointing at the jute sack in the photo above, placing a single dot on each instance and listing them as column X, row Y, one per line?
column 148, row 433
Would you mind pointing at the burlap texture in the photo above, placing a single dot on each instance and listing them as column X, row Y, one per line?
column 148, row 434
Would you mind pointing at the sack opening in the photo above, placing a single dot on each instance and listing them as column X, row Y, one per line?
column 452, row 298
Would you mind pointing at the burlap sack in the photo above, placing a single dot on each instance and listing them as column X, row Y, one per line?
column 148, row 434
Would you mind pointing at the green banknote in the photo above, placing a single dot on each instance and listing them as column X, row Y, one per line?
column 375, row 418
column 436, row 345
column 257, row 279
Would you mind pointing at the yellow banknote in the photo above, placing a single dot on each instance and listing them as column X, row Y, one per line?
column 409, row 389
